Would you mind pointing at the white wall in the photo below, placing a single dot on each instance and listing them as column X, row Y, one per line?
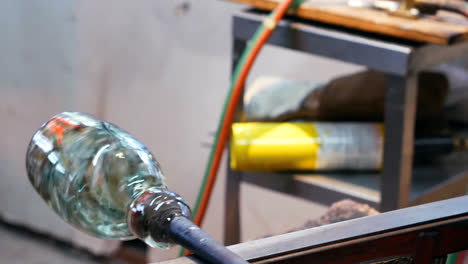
column 154, row 68
column 38, row 78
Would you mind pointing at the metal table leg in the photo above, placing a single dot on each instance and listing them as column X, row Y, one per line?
column 233, row 181
column 232, row 208
column 400, row 110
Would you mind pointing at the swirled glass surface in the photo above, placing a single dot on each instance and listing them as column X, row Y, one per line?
column 89, row 171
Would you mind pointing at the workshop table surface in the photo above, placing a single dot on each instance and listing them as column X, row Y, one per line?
column 426, row 29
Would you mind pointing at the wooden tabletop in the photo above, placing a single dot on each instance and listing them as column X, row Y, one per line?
column 428, row 29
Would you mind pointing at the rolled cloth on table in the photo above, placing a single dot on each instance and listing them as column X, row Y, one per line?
column 355, row 97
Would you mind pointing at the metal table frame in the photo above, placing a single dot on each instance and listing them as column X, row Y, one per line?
column 400, row 61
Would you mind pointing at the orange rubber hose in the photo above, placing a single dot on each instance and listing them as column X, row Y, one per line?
column 238, row 87
column 269, row 24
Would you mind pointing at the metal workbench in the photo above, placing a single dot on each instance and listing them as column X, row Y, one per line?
column 401, row 60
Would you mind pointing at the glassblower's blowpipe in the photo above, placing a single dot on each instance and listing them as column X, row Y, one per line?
column 104, row 182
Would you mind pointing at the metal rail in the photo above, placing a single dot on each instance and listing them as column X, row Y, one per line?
column 421, row 233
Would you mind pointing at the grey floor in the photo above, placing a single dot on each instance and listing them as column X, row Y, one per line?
column 19, row 246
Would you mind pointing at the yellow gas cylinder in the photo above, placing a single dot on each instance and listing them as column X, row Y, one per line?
column 306, row 146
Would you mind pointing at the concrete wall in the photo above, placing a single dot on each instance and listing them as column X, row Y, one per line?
column 157, row 68
column 38, row 78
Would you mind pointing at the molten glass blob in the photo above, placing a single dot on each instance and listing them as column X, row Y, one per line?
column 99, row 178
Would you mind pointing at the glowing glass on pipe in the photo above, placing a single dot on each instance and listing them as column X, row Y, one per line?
column 101, row 180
